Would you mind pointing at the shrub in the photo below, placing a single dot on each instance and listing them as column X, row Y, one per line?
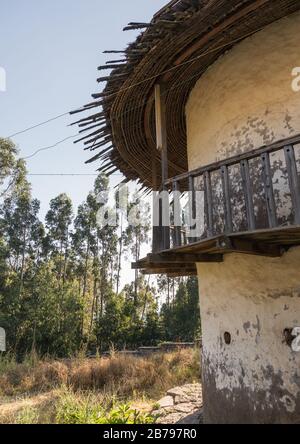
column 74, row 409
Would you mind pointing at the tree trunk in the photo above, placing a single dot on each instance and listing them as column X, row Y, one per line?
column 86, row 268
column 120, row 255
column 22, row 263
column 66, row 258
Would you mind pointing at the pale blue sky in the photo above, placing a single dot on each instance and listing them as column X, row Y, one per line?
column 50, row 51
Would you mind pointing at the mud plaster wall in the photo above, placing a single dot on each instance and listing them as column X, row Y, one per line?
column 245, row 100
column 257, row 377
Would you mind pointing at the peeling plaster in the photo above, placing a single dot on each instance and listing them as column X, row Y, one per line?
column 245, row 100
column 258, row 374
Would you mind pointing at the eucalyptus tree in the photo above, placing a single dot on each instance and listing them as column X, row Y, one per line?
column 121, row 198
column 21, row 235
column 8, row 166
column 58, row 223
column 84, row 245
column 138, row 230
column 107, row 242
column 95, row 246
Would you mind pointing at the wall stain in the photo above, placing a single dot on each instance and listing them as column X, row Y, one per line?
column 247, row 326
column 247, row 404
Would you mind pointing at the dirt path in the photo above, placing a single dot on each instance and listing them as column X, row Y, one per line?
column 10, row 408
column 181, row 405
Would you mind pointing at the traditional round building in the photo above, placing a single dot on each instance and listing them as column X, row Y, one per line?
column 206, row 102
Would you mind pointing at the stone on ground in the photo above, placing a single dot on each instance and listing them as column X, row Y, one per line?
column 182, row 405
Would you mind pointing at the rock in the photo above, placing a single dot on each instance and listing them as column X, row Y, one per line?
column 185, row 408
column 195, row 418
column 182, row 405
column 167, row 401
column 173, row 418
column 186, row 390
column 177, row 391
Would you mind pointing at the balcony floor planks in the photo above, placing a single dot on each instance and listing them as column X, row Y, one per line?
column 179, row 261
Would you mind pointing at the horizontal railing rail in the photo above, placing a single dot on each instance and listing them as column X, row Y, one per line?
column 235, row 159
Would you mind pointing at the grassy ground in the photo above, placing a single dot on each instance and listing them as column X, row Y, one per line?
column 120, row 389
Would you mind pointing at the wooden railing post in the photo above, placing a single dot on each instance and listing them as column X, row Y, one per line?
column 247, row 187
column 227, row 203
column 193, row 207
column 156, row 229
column 208, row 203
column 165, row 220
column 269, row 191
column 293, row 180
column 177, row 215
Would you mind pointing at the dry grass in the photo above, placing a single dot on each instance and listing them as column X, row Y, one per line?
column 36, row 389
column 126, row 375
column 123, row 375
column 32, row 377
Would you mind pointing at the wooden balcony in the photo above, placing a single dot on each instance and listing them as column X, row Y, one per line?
column 251, row 205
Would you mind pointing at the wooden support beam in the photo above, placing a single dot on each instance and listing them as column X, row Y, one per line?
column 185, row 258
column 173, row 275
column 162, row 147
column 161, row 129
column 165, row 265
column 174, row 272
column 169, row 266
column 156, row 230
column 175, row 259
column 247, row 246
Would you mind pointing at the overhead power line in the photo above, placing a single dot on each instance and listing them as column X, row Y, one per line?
column 141, row 82
column 38, row 125
column 69, row 174
column 49, row 147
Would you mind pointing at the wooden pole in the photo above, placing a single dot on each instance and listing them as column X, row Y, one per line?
column 162, row 147
column 161, row 129
column 156, row 230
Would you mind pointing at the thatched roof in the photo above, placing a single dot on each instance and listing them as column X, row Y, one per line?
column 176, row 47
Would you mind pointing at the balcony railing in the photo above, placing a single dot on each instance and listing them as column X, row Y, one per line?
column 252, row 191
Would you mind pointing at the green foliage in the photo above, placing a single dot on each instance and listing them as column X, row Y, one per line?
column 73, row 409
column 181, row 319
column 123, row 414
column 59, row 282
column 12, row 170
column 28, row 415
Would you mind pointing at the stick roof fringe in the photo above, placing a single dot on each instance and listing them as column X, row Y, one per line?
column 182, row 40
